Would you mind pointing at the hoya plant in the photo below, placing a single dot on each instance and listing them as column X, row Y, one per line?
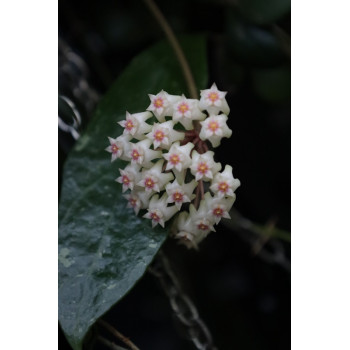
column 145, row 171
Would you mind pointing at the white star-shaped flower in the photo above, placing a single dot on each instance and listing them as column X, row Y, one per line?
column 203, row 165
column 135, row 124
column 218, row 207
column 163, row 135
column 137, row 199
column 158, row 211
column 187, row 110
column 129, row 176
column 178, row 156
column 153, row 179
column 224, row 184
column 140, row 153
column 162, row 105
column 214, row 101
column 180, row 194
column 119, row 147
column 214, row 129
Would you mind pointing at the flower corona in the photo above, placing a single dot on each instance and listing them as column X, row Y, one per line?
column 171, row 171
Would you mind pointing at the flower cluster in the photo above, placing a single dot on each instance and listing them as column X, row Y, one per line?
column 171, row 169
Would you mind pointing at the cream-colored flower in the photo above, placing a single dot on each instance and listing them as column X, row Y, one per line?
column 130, row 176
column 138, row 199
column 119, row 147
column 180, row 193
column 213, row 100
column 153, row 179
column 214, row 129
column 162, row 105
column 187, row 110
column 178, row 156
column 163, row 135
column 140, row 153
column 218, row 207
column 224, row 184
column 158, row 211
column 203, row 165
column 135, row 124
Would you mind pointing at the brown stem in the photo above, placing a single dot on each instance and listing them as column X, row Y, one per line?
column 201, row 187
column 109, row 344
column 176, row 47
column 117, row 334
column 196, row 201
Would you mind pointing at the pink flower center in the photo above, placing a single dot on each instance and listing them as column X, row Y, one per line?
column 115, row 149
column 135, row 154
column 218, row 212
column 202, row 168
column 223, row 187
column 125, row 180
column 149, row 183
column 203, row 226
column 174, row 159
column 213, row 96
column 178, row 197
column 183, row 108
column 159, row 135
column 213, row 126
column 133, row 202
column 129, row 124
column 154, row 216
column 158, row 102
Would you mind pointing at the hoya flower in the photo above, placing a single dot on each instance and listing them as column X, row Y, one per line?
column 202, row 222
column 163, row 135
column 140, row 153
column 137, row 199
column 195, row 226
column 162, row 105
column 154, row 180
column 119, row 147
column 158, row 175
column 178, row 156
column 183, row 230
column 187, row 239
column 158, row 211
column 214, row 129
column 203, row 165
column 180, row 194
column 214, row 101
column 130, row 176
column 218, row 208
column 135, row 124
column 186, row 110
column 224, row 184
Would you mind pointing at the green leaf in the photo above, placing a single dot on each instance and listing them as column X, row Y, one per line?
column 264, row 12
column 104, row 249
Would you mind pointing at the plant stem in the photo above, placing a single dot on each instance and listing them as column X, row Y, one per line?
column 120, row 336
column 176, row 47
column 109, row 344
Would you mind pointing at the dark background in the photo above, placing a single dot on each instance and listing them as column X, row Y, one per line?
column 243, row 297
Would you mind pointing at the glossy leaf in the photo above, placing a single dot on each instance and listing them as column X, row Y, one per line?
column 104, row 248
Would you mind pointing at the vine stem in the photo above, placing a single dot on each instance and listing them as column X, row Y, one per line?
column 176, row 47
column 120, row 336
